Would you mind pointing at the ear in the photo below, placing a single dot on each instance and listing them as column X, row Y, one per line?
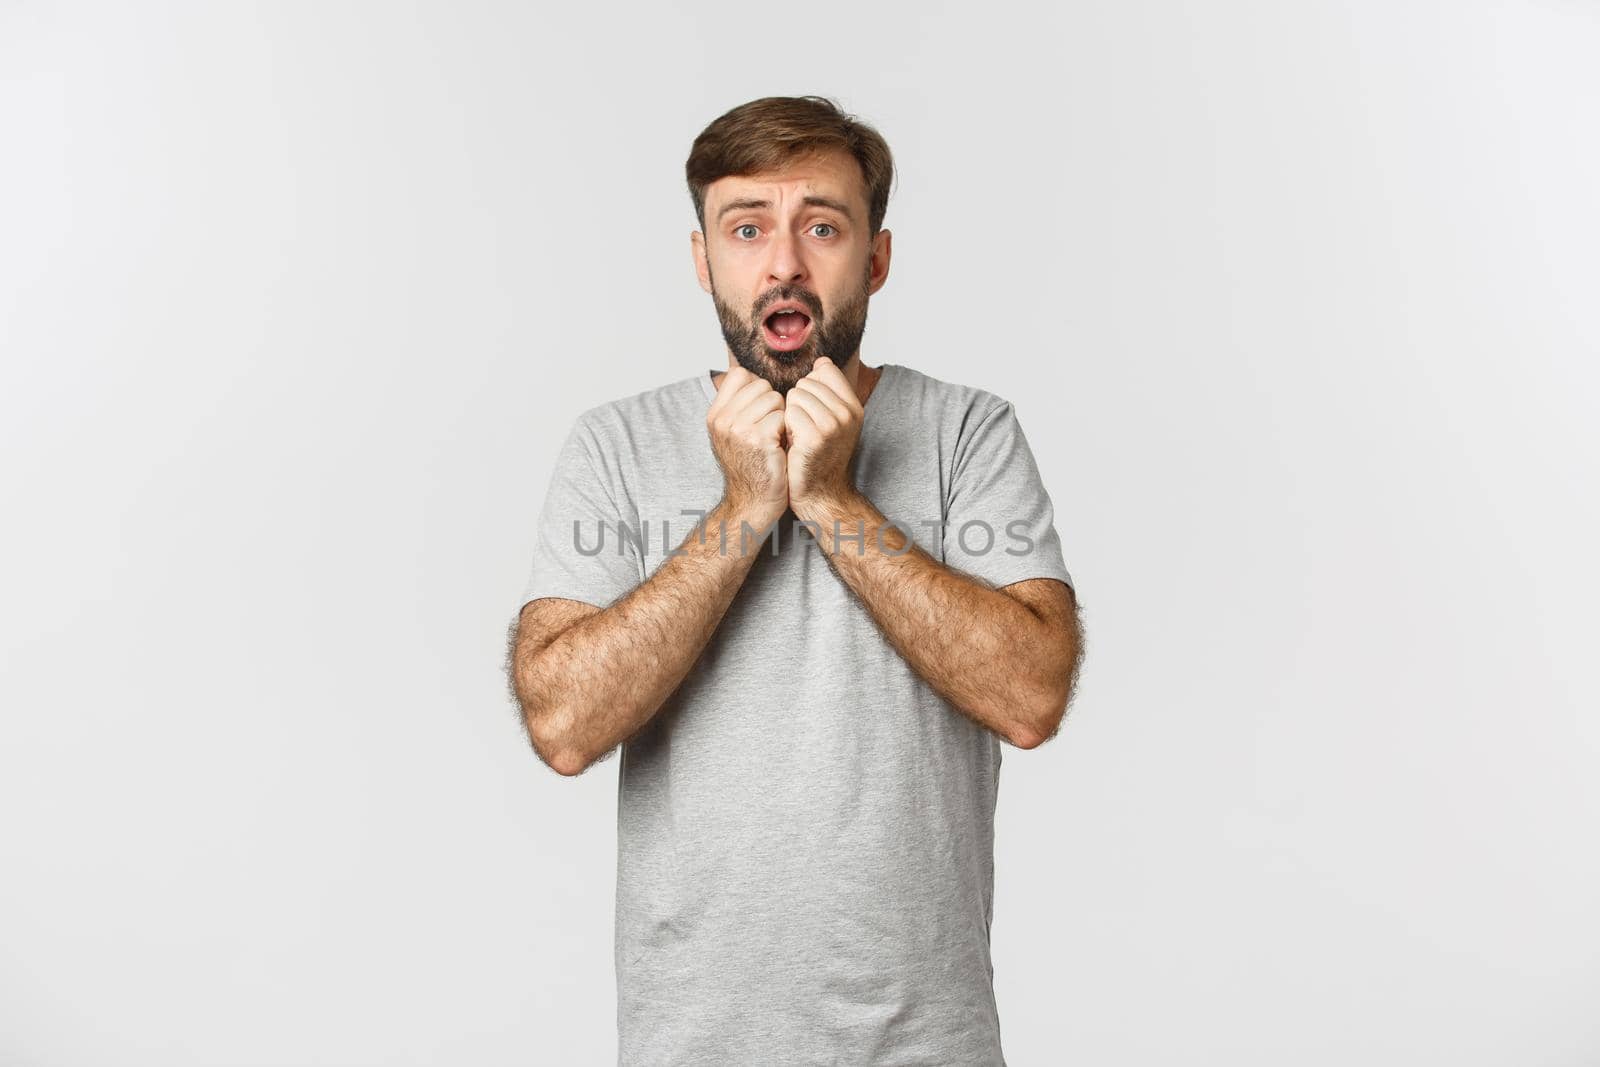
column 702, row 271
column 881, row 249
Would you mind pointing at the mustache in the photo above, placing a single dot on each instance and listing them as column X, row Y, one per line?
column 807, row 300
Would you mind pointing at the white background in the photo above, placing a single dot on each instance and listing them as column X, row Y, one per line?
column 1297, row 304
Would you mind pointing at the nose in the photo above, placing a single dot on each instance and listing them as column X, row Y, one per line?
column 787, row 264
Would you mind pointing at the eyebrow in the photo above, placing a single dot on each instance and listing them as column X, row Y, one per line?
column 746, row 203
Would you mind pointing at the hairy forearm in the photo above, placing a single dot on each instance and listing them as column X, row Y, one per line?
column 983, row 651
column 605, row 677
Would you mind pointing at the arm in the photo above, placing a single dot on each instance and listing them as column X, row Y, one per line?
column 1007, row 658
column 589, row 678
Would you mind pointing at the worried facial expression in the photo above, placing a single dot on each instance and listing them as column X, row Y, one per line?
column 789, row 266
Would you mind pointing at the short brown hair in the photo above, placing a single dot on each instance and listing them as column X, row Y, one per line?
column 765, row 134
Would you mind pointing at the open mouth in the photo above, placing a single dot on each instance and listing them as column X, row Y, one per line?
column 787, row 328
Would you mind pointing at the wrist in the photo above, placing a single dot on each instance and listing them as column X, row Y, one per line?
column 826, row 505
column 737, row 511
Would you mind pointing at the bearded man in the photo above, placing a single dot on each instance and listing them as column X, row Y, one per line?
column 811, row 686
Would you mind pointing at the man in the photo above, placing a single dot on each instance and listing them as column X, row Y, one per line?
column 811, row 684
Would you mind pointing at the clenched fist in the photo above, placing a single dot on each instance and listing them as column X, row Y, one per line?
column 746, row 427
column 823, row 420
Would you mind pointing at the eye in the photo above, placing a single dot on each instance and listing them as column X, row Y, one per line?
column 746, row 226
column 826, row 226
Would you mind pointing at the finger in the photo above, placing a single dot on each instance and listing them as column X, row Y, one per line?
column 798, row 420
column 727, row 385
column 732, row 379
column 757, row 410
column 835, row 403
column 754, row 387
column 771, row 426
column 815, row 409
column 739, row 399
column 756, row 401
column 827, row 370
column 832, row 376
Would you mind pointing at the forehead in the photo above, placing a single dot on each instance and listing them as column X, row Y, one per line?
column 833, row 174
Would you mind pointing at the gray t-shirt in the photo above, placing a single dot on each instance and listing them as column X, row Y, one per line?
column 805, row 854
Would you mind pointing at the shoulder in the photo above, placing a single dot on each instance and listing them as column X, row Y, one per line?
column 656, row 409
column 956, row 405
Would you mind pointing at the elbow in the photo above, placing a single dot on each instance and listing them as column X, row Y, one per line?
column 1055, row 694
column 551, row 739
column 1048, row 712
column 551, row 745
column 1035, row 733
column 1039, row 731
column 546, row 721
column 554, row 752
column 566, row 763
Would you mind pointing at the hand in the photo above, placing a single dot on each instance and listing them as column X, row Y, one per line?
column 746, row 428
column 823, row 420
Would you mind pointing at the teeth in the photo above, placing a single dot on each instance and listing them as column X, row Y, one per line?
column 780, row 310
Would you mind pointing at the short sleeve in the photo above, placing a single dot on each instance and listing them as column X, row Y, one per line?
column 581, row 550
column 1000, row 525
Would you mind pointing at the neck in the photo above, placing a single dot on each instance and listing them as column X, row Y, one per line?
column 856, row 374
column 860, row 377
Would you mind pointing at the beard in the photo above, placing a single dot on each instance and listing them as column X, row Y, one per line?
column 836, row 335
